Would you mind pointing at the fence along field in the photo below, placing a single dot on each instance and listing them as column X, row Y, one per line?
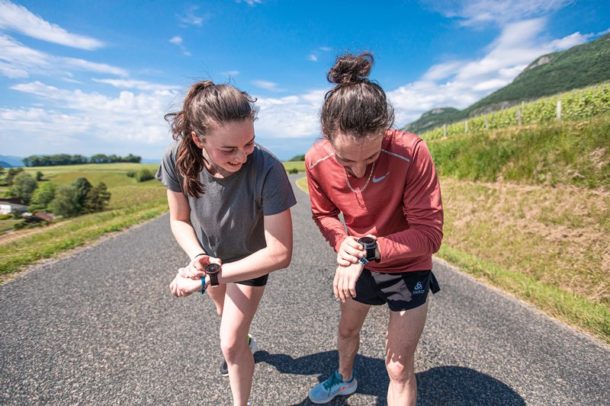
column 569, row 106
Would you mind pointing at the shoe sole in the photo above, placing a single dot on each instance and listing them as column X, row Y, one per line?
column 349, row 392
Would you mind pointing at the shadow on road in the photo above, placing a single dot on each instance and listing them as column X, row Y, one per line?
column 449, row 385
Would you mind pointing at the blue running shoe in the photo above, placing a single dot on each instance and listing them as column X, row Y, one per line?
column 326, row 391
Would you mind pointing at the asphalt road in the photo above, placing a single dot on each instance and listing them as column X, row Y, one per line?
column 100, row 327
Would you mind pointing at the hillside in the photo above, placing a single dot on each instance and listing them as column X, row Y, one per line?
column 579, row 66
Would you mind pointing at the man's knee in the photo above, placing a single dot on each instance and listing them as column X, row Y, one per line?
column 400, row 371
column 348, row 332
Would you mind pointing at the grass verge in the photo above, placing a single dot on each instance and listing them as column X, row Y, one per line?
column 568, row 307
column 73, row 233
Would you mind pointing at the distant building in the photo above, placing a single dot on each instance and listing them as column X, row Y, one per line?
column 10, row 206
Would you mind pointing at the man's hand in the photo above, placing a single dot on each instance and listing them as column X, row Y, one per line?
column 344, row 284
column 181, row 286
column 196, row 268
column 350, row 251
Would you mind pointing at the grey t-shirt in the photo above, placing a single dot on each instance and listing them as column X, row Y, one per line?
column 228, row 216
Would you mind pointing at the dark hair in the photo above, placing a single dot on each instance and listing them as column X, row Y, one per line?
column 356, row 105
column 206, row 104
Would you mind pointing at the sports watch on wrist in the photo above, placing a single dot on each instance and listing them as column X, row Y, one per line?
column 213, row 270
column 370, row 245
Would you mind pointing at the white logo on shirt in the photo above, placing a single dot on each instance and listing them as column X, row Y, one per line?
column 379, row 179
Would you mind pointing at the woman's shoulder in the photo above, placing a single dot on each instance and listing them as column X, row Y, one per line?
column 319, row 152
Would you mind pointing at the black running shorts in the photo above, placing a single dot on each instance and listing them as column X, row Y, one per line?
column 260, row 281
column 401, row 291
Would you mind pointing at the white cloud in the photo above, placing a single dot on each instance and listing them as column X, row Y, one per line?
column 135, row 84
column 190, row 17
column 292, row 116
column 19, row 61
column 265, row 84
column 313, row 57
column 123, row 119
column 472, row 13
column 19, row 19
column 249, row 2
column 461, row 83
column 176, row 40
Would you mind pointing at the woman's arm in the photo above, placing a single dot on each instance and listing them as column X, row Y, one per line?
column 276, row 255
column 180, row 223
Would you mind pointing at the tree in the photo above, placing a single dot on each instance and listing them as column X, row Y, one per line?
column 23, row 187
column 82, row 186
column 66, row 202
column 42, row 196
column 97, row 198
column 39, row 176
column 12, row 172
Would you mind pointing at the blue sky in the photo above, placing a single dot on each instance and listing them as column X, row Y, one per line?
column 84, row 77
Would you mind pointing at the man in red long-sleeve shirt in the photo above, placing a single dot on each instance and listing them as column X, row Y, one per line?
column 384, row 183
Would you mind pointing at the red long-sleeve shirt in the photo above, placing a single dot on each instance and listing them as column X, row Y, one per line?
column 401, row 204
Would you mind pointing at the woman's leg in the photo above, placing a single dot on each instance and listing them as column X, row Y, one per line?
column 217, row 294
column 404, row 329
column 240, row 304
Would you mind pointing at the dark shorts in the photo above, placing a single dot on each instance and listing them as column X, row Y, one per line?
column 260, row 281
column 401, row 291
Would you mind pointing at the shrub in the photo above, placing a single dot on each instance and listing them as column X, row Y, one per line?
column 23, row 187
column 293, row 170
column 42, row 196
column 131, row 173
column 66, row 202
column 97, row 198
column 143, row 175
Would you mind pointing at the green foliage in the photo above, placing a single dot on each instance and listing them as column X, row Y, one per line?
column 66, row 159
column 575, row 105
column 143, row 175
column 97, row 198
column 10, row 175
column 82, row 186
column 23, row 187
column 39, row 176
column 580, row 66
column 297, row 158
column 66, row 202
column 131, row 174
column 576, row 154
column 293, row 170
column 42, row 196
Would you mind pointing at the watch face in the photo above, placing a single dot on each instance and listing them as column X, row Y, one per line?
column 212, row 269
column 368, row 242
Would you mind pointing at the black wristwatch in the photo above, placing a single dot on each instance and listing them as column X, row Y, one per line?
column 370, row 245
column 213, row 270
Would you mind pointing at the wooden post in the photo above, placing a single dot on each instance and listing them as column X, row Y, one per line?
column 486, row 123
column 558, row 110
column 466, row 126
column 444, row 130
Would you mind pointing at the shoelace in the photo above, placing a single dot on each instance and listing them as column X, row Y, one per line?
column 332, row 381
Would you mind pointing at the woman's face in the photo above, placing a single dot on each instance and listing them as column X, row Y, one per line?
column 226, row 147
column 356, row 154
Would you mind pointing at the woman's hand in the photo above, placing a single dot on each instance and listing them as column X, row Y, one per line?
column 344, row 284
column 181, row 286
column 196, row 268
column 350, row 251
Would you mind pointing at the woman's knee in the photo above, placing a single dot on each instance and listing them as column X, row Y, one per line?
column 231, row 346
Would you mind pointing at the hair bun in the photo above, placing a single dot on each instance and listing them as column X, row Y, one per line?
column 351, row 69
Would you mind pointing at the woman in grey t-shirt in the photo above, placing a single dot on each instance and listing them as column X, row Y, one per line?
column 229, row 202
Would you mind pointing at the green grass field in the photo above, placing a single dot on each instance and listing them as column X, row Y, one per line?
column 131, row 203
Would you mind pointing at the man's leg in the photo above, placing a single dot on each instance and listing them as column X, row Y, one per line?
column 404, row 329
column 240, row 305
column 353, row 314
